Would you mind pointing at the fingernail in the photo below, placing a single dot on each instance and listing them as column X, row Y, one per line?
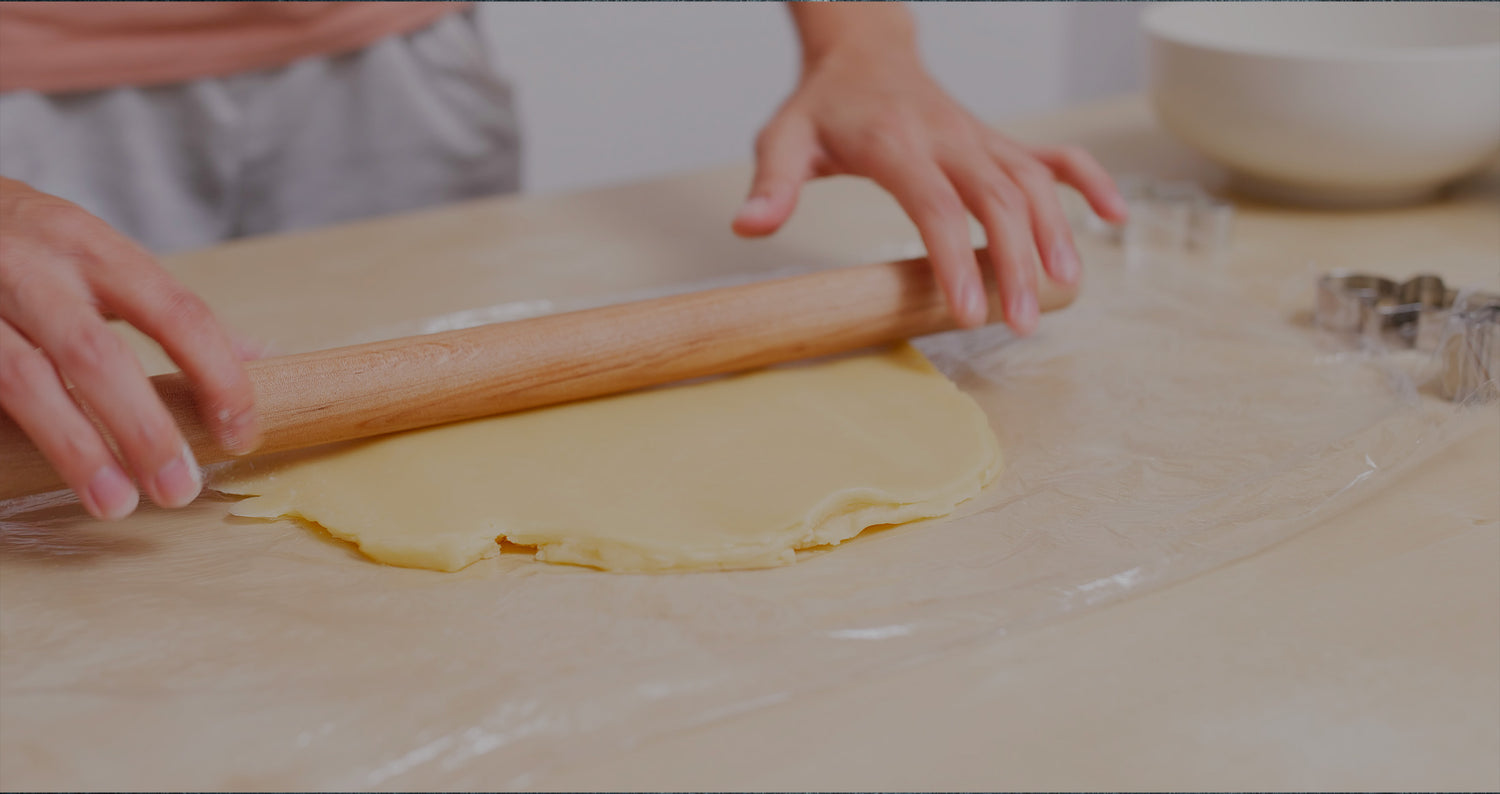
column 1068, row 266
column 238, row 435
column 1024, row 313
column 112, row 494
column 976, row 305
column 179, row 482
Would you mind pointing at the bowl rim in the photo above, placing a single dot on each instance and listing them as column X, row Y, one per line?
column 1151, row 23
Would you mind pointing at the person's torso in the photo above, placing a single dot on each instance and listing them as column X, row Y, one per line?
column 85, row 46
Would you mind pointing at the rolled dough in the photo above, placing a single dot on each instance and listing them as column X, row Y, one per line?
column 736, row 472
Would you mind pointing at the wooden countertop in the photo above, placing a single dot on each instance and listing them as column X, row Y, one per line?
column 1362, row 653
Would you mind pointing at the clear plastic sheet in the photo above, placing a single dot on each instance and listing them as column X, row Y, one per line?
column 1173, row 420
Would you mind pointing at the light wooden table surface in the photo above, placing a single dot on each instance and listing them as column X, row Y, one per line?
column 1363, row 653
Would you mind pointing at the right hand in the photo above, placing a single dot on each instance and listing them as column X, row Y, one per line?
column 63, row 272
column 865, row 105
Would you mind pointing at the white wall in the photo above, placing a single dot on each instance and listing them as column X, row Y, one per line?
column 611, row 92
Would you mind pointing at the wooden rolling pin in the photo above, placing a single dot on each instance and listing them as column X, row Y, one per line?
column 382, row 387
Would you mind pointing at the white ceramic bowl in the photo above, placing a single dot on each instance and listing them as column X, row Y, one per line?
column 1331, row 103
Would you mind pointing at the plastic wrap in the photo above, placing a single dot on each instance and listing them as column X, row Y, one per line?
column 1173, row 420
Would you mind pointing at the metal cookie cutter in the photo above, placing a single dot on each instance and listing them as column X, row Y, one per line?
column 1470, row 350
column 1421, row 313
column 1347, row 301
column 1168, row 215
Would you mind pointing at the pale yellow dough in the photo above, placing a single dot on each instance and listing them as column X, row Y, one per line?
column 730, row 473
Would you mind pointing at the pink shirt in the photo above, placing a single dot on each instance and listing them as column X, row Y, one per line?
column 58, row 47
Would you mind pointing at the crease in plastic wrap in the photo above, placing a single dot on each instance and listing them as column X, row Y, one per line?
column 1173, row 420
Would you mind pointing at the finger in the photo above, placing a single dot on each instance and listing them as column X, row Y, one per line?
column 1049, row 224
column 32, row 395
column 1003, row 209
column 107, row 377
column 1076, row 167
column 785, row 154
column 927, row 196
column 248, row 348
column 146, row 297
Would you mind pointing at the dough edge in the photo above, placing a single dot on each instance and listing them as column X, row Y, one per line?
column 840, row 517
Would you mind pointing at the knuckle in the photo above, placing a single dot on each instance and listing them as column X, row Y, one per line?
column 21, row 269
column 1071, row 152
column 1004, row 194
column 955, row 119
column 12, row 251
column 147, row 441
column 1076, row 156
column 763, row 141
column 189, row 316
column 181, row 307
column 90, row 347
column 952, row 126
column 940, row 205
column 174, row 313
column 230, row 392
column 155, row 439
column 66, row 221
column 889, row 136
column 23, row 372
column 766, row 139
column 75, row 450
column 12, row 275
column 1032, row 174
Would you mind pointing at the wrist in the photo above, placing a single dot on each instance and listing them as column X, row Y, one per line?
column 830, row 32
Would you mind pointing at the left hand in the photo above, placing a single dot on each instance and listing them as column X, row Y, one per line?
column 874, row 111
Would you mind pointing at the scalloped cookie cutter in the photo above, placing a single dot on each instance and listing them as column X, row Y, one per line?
column 1461, row 327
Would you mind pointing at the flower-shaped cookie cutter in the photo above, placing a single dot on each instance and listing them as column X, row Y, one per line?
column 1461, row 327
column 1168, row 216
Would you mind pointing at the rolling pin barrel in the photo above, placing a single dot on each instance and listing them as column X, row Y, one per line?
column 371, row 389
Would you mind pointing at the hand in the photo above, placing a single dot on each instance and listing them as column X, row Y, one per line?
column 866, row 106
column 62, row 273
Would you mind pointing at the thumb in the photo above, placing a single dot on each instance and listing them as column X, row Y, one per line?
column 784, row 158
